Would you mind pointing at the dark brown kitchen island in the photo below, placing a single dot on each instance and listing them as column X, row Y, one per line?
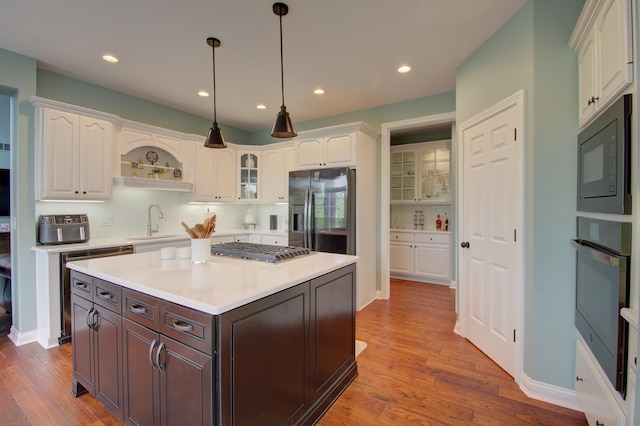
column 280, row 359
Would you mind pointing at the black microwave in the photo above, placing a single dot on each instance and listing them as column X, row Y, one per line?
column 604, row 161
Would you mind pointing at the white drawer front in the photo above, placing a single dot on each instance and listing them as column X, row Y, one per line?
column 401, row 236
column 595, row 395
column 437, row 238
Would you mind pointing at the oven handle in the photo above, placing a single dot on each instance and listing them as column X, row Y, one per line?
column 599, row 255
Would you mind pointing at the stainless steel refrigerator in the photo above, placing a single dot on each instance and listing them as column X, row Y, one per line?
column 322, row 210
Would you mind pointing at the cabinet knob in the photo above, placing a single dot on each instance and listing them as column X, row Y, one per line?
column 578, row 379
column 464, row 244
column 592, row 100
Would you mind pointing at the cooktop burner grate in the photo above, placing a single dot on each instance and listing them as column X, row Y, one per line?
column 261, row 252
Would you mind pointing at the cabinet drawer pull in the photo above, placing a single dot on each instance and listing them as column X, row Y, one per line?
column 81, row 285
column 105, row 295
column 182, row 325
column 138, row 309
column 151, row 361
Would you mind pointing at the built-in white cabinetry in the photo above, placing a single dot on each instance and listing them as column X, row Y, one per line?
column 336, row 146
column 73, row 152
column 215, row 174
column 603, row 40
column 597, row 400
column 152, row 157
column 277, row 162
column 422, row 256
column 421, row 173
column 249, row 171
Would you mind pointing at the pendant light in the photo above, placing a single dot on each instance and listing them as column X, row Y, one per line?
column 283, row 127
column 214, row 139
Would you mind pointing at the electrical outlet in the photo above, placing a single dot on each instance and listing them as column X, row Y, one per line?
column 106, row 220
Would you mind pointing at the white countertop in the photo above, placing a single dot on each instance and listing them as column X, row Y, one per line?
column 125, row 241
column 215, row 287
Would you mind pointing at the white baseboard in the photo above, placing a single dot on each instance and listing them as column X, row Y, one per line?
column 20, row 339
column 556, row 395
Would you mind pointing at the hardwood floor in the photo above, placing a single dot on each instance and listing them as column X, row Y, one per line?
column 415, row 370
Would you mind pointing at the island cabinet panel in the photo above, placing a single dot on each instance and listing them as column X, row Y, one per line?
column 333, row 330
column 97, row 341
column 285, row 358
column 263, row 360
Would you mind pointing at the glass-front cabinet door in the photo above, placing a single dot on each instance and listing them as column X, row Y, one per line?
column 248, row 176
column 420, row 173
column 403, row 175
column 434, row 173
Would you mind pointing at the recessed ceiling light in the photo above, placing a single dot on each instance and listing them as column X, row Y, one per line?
column 403, row 69
column 261, row 106
column 319, row 91
column 203, row 93
column 110, row 58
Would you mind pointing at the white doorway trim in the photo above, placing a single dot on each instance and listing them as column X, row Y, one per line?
column 385, row 200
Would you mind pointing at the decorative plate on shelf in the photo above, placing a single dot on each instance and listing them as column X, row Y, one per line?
column 152, row 157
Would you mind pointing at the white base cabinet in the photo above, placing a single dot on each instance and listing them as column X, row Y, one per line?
column 596, row 395
column 422, row 256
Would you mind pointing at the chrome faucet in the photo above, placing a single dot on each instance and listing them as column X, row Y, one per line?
column 150, row 229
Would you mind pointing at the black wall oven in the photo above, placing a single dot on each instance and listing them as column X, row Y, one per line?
column 602, row 289
column 604, row 161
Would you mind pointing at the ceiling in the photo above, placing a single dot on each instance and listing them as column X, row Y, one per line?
column 351, row 49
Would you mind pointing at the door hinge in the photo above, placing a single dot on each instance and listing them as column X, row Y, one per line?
column 515, row 134
column 515, row 237
column 514, row 335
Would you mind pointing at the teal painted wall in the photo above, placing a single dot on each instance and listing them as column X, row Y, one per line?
column 18, row 80
column 430, row 105
column 530, row 52
column 76, row 92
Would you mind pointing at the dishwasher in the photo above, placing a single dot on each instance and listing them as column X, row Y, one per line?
column 65, row 281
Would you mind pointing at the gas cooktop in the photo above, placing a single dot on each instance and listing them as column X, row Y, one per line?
column 261, row 252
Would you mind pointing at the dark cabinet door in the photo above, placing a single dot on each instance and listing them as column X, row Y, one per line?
column 264, row 360
column 141, row 381
column 82, row 337
column 186, row 384
column 332, row 329
column 108, row 359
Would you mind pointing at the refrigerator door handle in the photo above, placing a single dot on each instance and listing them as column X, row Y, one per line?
column 312, row 220
column 305, row 224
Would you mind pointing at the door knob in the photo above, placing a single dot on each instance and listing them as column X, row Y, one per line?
column 464, row 244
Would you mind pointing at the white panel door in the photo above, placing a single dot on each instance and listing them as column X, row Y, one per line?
column 401, row 258
column 492, row 199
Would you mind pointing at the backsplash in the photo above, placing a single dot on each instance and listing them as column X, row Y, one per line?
column 127, row 211
column 402, row 217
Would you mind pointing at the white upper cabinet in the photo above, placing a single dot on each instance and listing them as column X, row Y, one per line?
column 73, row 153
column 215, row 174
column 602, row 38
column 277, row 163
column 332, row 150
column 152, row 157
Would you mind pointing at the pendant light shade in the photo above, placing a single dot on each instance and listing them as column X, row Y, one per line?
column 214, row 139
column 283, row 127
